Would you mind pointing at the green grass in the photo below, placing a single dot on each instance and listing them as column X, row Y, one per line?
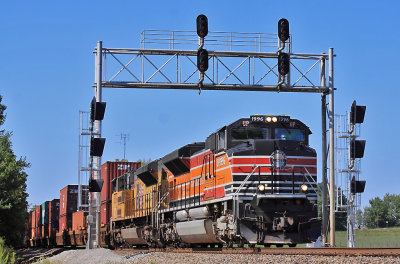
column 375, row 238
column 7, row 255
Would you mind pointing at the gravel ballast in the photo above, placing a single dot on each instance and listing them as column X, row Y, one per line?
column 94, row 256
column 106, row 256
column 196, row 258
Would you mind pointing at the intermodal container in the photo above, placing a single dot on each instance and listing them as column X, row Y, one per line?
column 39, row 231
column 33, row 232
column 54, row 210
column 45, row 230
column 79, row 220
column 65, row 222
column 85, row 194
column 111, row 170
column 105, row 210
column 45, row 213
column 68, row 199
column 32, row 217
column 38, row 216
column 53, row 228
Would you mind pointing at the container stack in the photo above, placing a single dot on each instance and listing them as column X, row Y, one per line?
column 32, row 228
column 68, row 205
column 38, row 223
column 54, row 213
column 109, row 171
column 45, row 220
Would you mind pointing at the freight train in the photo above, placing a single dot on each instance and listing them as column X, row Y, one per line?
column 253, row 182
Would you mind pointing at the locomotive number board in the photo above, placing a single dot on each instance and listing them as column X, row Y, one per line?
column 268, row 119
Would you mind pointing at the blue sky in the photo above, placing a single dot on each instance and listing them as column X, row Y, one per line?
column 47, row 72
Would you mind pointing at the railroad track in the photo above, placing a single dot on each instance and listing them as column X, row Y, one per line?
column 283, row 251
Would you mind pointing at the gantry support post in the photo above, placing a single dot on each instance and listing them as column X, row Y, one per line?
column 94, row 203
column 331, row 152
column 324, row 206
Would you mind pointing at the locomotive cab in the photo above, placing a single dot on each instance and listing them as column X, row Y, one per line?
column 278, row 203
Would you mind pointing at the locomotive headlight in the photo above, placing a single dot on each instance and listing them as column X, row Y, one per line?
column 274, row 119
column 261, row 187
column 269, row 119
column 304, row 188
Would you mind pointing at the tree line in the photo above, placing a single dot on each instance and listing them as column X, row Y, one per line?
column 380, row 212
column 13, row 203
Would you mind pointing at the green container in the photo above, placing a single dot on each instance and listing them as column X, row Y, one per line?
column 45, row 213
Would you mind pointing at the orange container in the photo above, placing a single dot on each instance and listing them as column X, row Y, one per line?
column 79, row 220
column 65, row 222
column 33, row 232
column 45, row 230
column 33, row 219
column 38, row 216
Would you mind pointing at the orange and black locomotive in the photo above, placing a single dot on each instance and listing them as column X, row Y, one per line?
column 253, row 181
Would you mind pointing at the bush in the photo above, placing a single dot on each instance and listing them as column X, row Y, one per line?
column 7, row 255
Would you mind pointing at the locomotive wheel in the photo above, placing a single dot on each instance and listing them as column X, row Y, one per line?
column 279, row 245
column 292, row 245
column 241, row 244
column 230, row 244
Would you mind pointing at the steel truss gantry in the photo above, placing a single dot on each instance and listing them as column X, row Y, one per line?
column 229, row 70
column 242, row 76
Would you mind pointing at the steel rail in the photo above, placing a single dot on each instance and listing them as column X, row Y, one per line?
column 281, row 251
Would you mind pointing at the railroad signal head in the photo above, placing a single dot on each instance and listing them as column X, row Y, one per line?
column 202, row 26
column 357, row 113
column 97, row 110
column 97, row 146
column 95, row 185
column 202, row 60
column 283, row 29
column 357, row 149
column 357, row 186
column 283, row 63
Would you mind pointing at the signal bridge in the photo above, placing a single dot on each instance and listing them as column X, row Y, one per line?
column 230, row 69
column 238, row 62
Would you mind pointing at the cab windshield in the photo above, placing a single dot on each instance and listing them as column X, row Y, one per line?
column 243, row 133
column 289, row 134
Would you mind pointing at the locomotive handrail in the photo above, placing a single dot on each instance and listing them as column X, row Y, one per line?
column 245, row 180
column 309, row 174
column 248, row 177
column 155, row 208
column 235, row 195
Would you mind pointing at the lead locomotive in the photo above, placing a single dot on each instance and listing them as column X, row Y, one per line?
column 253, row 181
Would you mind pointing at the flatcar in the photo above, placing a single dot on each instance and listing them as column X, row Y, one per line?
column 252, row 182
